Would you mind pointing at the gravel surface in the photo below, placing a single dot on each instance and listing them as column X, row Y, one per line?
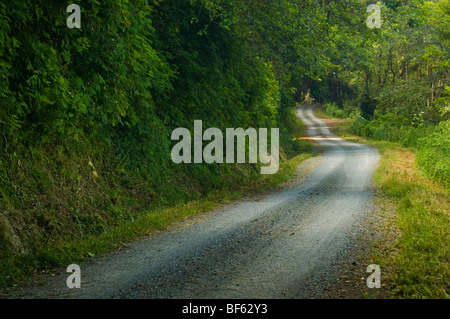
column 288, row 243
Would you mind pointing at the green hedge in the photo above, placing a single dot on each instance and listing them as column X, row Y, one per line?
column 434, row 153
column 431, row 142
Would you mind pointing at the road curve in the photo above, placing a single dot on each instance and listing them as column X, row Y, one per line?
column 286, row 244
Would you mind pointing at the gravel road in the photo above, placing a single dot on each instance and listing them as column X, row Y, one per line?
column 287, row 243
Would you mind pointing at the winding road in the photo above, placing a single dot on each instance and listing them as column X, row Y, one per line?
column 288, row 243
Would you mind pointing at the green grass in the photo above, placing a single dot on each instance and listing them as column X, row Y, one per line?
column 421, row 266
column 415, row 260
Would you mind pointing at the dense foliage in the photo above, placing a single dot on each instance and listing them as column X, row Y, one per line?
column 397, row 85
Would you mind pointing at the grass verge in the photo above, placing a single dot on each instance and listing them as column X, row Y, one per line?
column 414, row 254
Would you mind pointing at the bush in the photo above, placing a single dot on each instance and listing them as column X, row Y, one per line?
column 431, row 143
column 345, row 112
column 433, row 156
column 361, row 127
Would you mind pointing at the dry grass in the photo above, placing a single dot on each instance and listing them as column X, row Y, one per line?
column 419, row 264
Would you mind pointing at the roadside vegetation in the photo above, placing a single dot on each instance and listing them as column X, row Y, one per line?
column 399, row 102
column 413, row 249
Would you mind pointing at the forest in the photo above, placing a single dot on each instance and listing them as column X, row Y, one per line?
column 86, row 114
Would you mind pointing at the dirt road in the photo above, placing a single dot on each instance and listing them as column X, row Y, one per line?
column 286, row 244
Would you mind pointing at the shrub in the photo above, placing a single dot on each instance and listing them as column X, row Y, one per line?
column 432, row 143
column 433, row 156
